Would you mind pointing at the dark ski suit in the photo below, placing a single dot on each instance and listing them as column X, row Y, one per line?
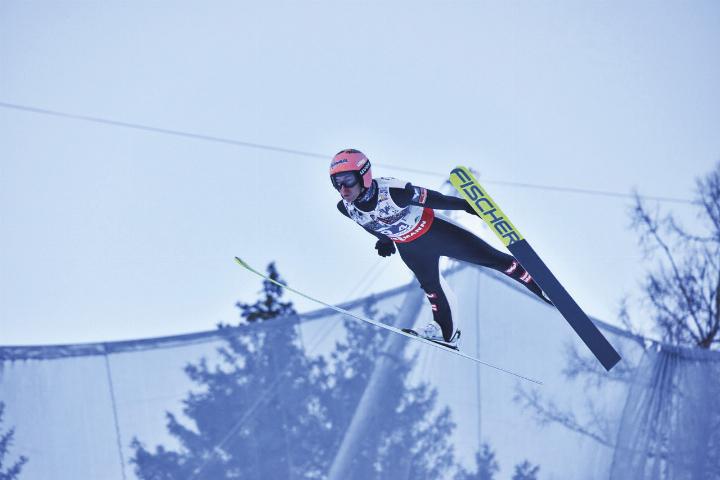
column 422, row 253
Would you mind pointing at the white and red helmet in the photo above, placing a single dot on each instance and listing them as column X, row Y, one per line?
column 350, row 161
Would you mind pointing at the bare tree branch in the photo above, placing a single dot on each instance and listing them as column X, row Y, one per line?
column 684, row 291
column 548, row 412
column 682, row 298
column 653, row 230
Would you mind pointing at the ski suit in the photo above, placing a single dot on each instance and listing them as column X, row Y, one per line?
column 400, row 214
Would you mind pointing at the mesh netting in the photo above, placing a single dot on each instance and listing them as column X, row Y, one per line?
column 316, row 395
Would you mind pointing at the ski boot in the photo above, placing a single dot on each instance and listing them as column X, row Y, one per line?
column 433, row 333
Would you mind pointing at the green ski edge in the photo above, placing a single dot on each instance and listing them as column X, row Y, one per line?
column 354, row 316
column 466, row 183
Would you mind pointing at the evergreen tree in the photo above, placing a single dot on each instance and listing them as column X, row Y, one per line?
column 8, row 472
column 526, row 471
column 486, row 466
column 264, row 409
column 270, row 306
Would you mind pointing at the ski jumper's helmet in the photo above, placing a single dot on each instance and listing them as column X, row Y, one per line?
column 353, row 161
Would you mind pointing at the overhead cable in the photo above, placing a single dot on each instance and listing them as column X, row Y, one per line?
column 240, row 143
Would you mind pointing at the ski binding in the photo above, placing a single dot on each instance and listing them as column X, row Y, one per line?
column 456, row 337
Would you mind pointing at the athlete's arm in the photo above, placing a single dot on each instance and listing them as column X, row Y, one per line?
column 424, row 197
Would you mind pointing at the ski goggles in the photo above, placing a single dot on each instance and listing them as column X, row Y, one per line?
column 344, row 179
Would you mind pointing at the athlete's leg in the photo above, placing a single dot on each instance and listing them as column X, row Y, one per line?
column 424, row 263
column 462, row 245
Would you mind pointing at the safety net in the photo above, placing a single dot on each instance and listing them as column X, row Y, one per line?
column 320, row 395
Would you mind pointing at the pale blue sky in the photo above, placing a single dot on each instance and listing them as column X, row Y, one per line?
column 110, row 233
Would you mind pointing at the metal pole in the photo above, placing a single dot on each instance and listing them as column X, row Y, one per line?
column 364, row 419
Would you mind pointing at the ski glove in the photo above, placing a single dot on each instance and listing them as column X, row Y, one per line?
column 385, row 248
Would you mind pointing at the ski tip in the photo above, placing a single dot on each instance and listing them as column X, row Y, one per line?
column 465, row 169
column 241, row 262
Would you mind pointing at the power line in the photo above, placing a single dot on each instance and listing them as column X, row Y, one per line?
column 195, row 136
column 588, row 192
column 239, row 143
column 147, row 128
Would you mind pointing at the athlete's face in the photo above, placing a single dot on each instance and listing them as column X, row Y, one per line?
column 349, row 194
column 348, row 184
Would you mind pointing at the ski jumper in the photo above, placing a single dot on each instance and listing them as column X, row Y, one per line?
column 398, row 212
